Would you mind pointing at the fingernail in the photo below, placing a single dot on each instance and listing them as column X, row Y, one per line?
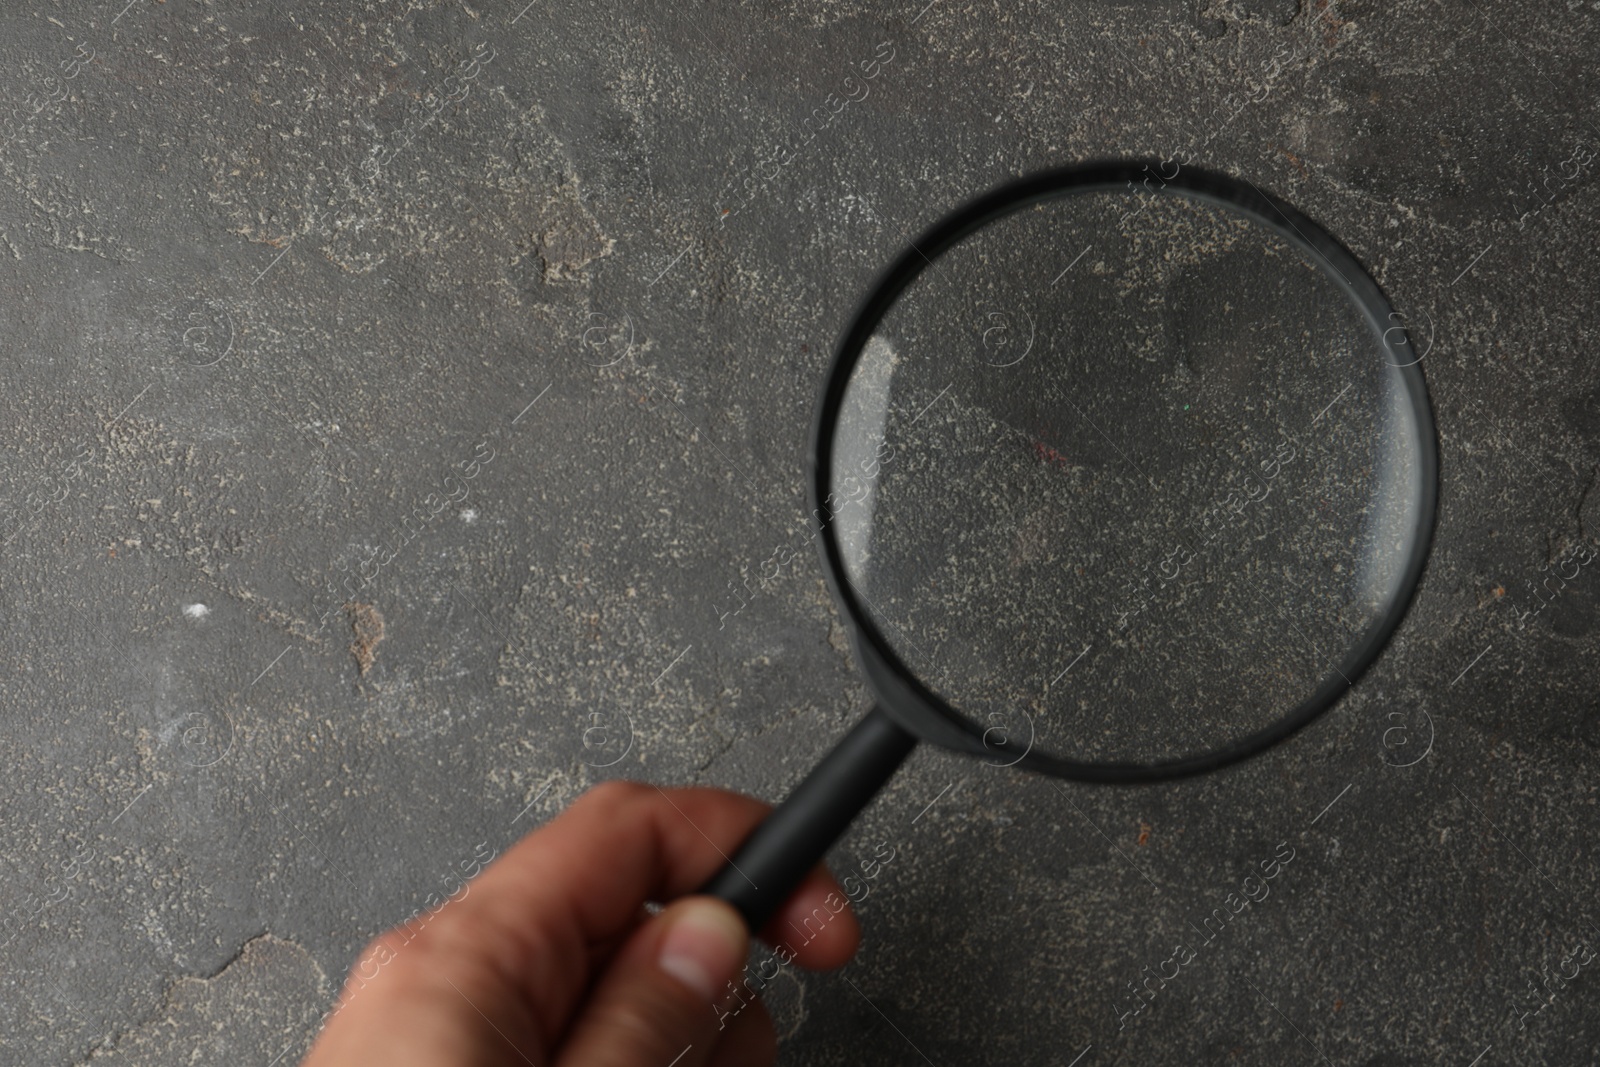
column 704, row 945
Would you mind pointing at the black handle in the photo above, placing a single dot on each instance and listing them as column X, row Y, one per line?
column 775, row 859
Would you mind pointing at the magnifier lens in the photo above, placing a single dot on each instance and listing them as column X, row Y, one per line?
column 1126, row 477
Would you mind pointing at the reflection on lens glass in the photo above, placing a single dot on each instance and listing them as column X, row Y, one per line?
column 1128, row 476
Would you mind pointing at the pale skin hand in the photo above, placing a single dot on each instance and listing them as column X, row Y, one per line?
column 551, row 960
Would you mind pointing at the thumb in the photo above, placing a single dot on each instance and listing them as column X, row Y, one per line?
column 657, row 1002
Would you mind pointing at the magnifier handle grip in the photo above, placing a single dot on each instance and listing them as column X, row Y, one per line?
column 778, row 855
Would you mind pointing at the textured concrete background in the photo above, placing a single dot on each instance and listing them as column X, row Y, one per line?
column 278, row 275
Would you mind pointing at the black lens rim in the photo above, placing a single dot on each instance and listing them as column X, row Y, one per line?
column 898, row 691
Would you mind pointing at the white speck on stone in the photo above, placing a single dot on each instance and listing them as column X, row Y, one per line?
column 196, row 611
column 469, row 515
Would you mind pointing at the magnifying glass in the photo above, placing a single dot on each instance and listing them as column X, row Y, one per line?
column 1120, row 477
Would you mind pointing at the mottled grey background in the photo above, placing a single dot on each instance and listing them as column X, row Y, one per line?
column 239, row 351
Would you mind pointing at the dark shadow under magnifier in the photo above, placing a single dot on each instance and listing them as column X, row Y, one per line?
column 1119, row 478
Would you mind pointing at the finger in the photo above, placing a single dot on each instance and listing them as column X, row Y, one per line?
column 815, row 928
column 748, row 1041
column 426, row 1005
column 578, row 882
column 601, row 953
column 657, row 1002
column 565, row 893
column 617, row 845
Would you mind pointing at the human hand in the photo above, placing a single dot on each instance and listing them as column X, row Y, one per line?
column 550, row 958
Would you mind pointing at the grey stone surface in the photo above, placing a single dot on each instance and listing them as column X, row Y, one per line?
column 261, row 300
